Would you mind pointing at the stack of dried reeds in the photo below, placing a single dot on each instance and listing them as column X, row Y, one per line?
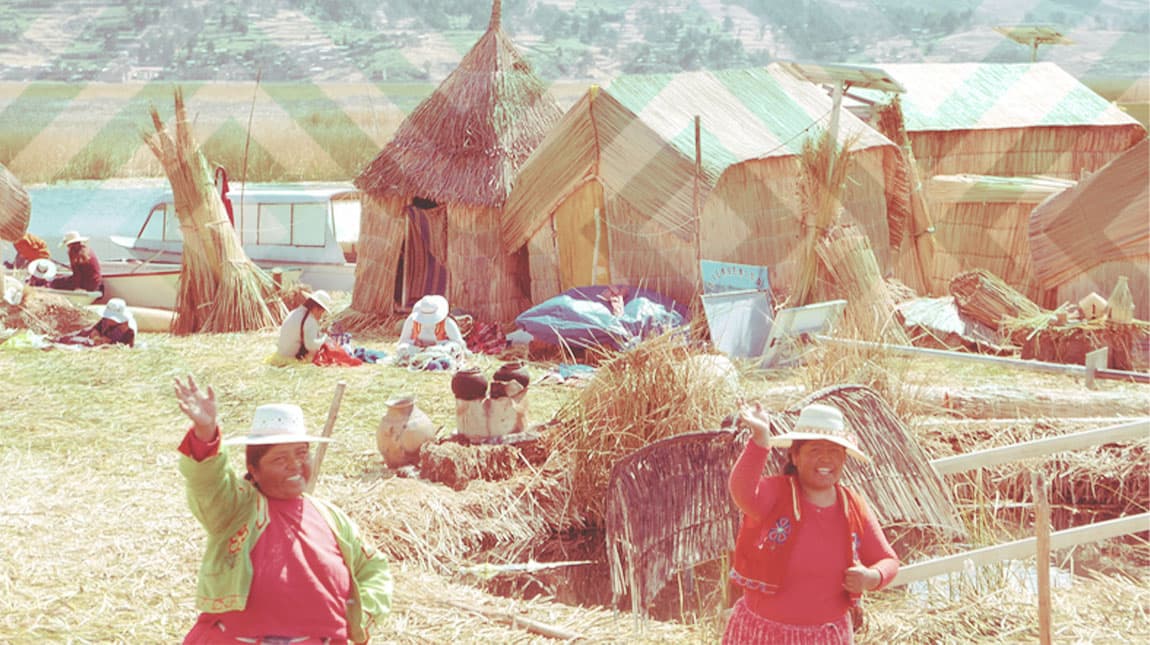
column 659, row 389
column 986, row 298
column 824, row 171
column 221, row 290
column 916, row 223
column 15, row 207
column 846, row 253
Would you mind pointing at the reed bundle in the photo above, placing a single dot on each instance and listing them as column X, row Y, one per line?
column 917, row 222
column 659, row 389
column 846, row 253
column 1053, row 339
column 986, row 298
column 824, row 170
column 221, row 290
column 15, row 206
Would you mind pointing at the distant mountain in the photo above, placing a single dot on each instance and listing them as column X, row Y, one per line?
column 422, row 40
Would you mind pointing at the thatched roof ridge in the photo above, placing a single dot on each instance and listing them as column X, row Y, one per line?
column 465, row 142
column 637, row 137
column 1104, row 218
column 987, row 96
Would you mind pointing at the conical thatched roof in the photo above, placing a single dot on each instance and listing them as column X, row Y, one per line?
column 465, row 142
column 15, row 207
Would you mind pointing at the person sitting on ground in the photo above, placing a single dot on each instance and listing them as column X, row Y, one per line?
column 117, row 326
column 428, row 326
column 41, row 272
column 29, row 249
column 86, row 273
column 280, row 566
column 808, row 547
column 300, row 334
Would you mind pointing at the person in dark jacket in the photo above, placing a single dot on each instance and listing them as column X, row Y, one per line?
column 86, row 273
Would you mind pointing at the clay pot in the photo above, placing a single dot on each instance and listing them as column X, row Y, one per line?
column 513, row 371
column 403, row 430
column 469, row 384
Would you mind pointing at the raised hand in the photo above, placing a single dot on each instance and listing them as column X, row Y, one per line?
column 754, row 417
column 199, row 406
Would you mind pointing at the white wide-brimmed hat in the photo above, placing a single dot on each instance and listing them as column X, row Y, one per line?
column 321, row 298
column 276, row 423
column 72, row 237
column 116, row 309
column 43, row 269
column 819, row 422
column 429, row 310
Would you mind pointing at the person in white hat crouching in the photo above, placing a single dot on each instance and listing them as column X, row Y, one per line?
column 429, row 330
column 281, row 566
column 300, row 334
column 117, row 326
column 807, row 547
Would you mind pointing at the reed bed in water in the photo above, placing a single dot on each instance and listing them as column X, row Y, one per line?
column 100, row 545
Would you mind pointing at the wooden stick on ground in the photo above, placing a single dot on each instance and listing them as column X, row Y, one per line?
column 332, row 413
column 515, row 620
column 1042, row 532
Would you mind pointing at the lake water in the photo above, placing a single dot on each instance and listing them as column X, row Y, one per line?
column 97, row 209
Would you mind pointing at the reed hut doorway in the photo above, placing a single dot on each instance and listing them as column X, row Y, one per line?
column 423, row 258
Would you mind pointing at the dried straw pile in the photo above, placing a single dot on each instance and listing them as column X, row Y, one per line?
column 455, row 465
column 46, row 314
column 1046, row 340
column 846, row 253
column 221, row 290
column 984, row 297
column 15, row 207
column 659, row 389
column 824, row 170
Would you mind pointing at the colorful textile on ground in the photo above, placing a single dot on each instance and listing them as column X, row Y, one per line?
column 486, row 338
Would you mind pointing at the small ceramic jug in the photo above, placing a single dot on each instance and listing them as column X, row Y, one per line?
column 403, row 430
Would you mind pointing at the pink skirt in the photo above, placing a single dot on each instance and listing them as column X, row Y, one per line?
column 748, row 628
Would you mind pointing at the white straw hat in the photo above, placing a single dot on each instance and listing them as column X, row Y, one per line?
column 43, row 269
column 116, row 309
column 72, row 237
column 429, row 310
column 321, row 298
column 276, row 423
column 819, row 422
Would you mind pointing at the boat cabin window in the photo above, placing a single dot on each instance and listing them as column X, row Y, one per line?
column 292, row 224
column 162, row 224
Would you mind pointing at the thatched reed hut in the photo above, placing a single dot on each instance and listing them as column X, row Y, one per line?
column 626, row 190
column 1083, row 238
column 1002, row 120
column 15, row 207
column 435, row 194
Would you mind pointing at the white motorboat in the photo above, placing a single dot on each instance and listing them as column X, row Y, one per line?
column 310, row 227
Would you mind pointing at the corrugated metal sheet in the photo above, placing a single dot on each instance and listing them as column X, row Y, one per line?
column 984, row 96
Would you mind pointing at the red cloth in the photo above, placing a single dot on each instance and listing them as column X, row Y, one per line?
column 332, row 354
column 812, row 590
column 32, row 248
column 300, row 584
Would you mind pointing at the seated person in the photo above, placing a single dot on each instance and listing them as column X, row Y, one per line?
column 428, row 326
column 117, row 326
column 41, row 272
column 86, row 272
column 300, row 335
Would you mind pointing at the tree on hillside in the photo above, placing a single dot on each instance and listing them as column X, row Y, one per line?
column 221, row 290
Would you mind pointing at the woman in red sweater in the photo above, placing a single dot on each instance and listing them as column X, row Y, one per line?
column 808, row 547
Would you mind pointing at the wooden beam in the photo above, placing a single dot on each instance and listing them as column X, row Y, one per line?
column 1039, row 366
column 1042, row 561
column 1132, row 431
column 1021, row 549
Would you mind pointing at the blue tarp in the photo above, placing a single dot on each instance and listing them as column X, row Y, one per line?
column 580, row 317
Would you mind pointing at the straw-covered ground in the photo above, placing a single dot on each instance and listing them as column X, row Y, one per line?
column 100, row 546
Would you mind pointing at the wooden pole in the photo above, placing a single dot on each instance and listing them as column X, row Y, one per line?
column 328, row 427
column 1132, row 431
column 1042, row 567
